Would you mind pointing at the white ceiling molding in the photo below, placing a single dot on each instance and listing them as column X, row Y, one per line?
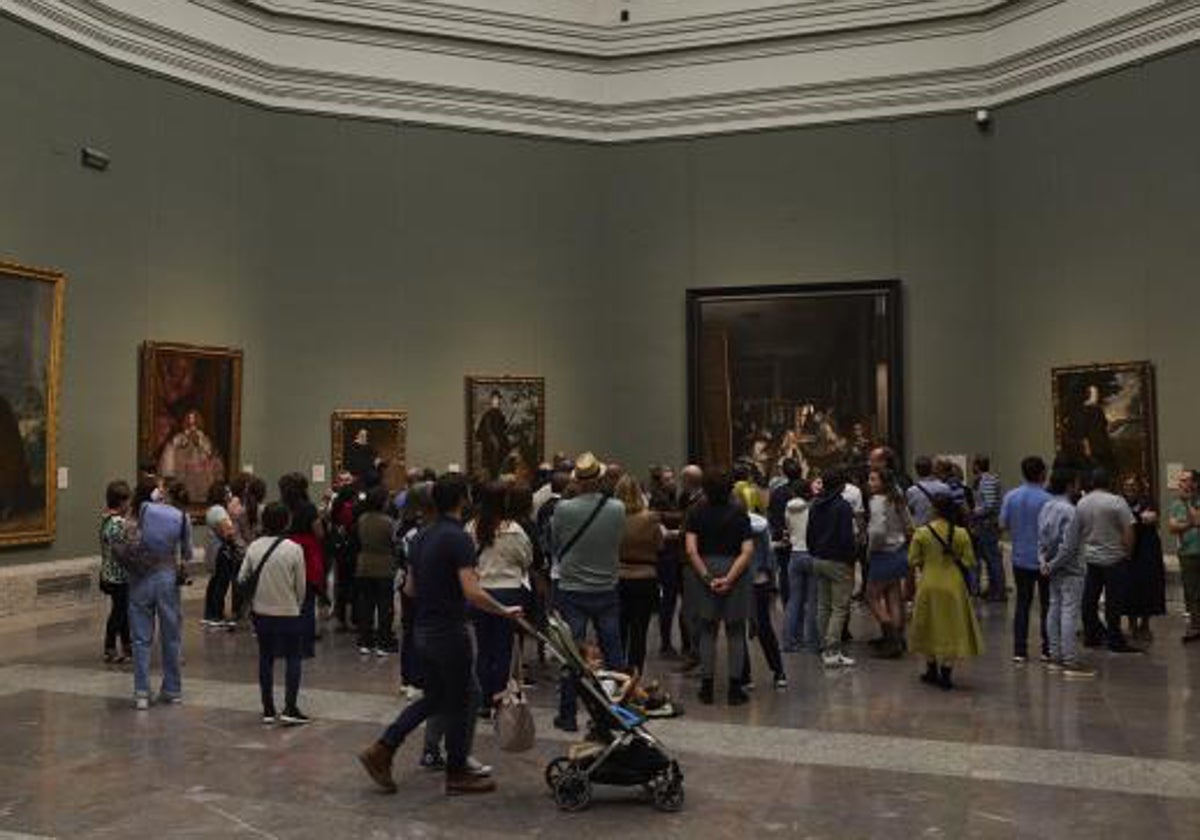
column 564, row 68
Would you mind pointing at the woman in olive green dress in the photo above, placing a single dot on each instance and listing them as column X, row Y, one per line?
column 944, row 626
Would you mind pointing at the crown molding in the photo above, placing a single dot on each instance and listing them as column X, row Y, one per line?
column 999, row 52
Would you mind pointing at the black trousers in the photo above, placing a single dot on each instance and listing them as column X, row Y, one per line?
column 767, row 640
column 1111, row 581
column 218, row 587
column 343, row 590
column 117, row 626
column 669, row 581
column 375, row 612
column 1027, row 580
column 639, row 600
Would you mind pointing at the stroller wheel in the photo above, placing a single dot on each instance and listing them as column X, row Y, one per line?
column 555, row 769
column 572, row 791
column 668, row 794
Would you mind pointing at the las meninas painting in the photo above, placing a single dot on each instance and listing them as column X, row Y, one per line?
column 30, row 352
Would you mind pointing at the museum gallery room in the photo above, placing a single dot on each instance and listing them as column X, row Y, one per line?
column 608, row 418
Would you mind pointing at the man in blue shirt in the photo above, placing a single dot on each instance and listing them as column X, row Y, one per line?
column 1019, row 516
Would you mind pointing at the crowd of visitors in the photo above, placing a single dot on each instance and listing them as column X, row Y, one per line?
column 703, row 551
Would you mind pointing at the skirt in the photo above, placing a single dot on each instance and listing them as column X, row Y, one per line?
column 888, row 566
column 706, row 605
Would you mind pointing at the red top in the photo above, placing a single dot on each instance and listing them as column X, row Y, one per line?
column 314, row 559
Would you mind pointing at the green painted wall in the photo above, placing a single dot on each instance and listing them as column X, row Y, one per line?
column 365, row 264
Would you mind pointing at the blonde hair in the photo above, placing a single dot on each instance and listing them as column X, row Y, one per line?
column 629, row 493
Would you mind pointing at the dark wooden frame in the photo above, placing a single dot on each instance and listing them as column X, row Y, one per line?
column 892, row 289
column 342, row 416
column 1145, row 369
column 58, row 281
column 147, row 358
column 472, row 380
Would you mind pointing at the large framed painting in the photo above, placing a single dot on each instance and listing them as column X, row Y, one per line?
column 506, row 425
column 31, row 313
column 373, row 439
column 190, row 415
column 810, row 372
column 1105, row 416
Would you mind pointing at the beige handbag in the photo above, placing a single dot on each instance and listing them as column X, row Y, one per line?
column 514, row 721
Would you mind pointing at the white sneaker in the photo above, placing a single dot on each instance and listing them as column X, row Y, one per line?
column 477, row 768
column 141, row 703
column 831, row 660
column 364, row 651
column 845, row 661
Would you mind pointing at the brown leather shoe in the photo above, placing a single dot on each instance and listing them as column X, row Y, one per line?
column 377, row 761
column 463, row 781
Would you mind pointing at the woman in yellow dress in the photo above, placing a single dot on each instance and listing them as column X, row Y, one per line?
column 944, row 626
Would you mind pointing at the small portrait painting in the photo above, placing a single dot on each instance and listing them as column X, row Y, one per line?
column 30, row 352
column 190, row 415
column 506, row 425
column 372, row 440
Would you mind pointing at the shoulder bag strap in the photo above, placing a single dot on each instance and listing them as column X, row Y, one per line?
column 258, row 569
column 566, row 549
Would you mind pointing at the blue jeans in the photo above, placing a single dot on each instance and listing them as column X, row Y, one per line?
column 800, row 628
column 155, row 595
column 447, row 662
column 988, row 547
column 1062, row 624
column 603, row 610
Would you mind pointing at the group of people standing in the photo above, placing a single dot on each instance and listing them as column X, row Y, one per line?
column 703, row 551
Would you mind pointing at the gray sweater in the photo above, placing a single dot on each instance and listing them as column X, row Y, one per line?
column 591, row 564
column 281, row 584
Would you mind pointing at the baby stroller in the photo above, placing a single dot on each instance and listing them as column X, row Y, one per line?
column 617, row 751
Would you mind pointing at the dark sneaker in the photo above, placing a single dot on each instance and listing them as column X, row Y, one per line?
column 706, row 692
column 737, row 695
column 565, row 724
column 294, row 718
column 431, row 760
column 1192, row 635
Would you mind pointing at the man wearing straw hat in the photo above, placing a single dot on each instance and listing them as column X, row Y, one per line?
column 585, row 536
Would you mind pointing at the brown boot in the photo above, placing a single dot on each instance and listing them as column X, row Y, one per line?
column 377, row 761
column 463, row 781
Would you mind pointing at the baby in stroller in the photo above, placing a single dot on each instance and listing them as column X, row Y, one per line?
column 618, row 749
column 648, row 699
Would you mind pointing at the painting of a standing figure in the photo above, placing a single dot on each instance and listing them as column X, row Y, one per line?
column 190, row 415
column 30, row 352
column 1104, row 416
column 505, row 425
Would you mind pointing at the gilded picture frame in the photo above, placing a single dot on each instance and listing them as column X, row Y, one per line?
column 1106, row 415
column 189, row 415
column 505, row 425
column 31, row 337
column 377, row 436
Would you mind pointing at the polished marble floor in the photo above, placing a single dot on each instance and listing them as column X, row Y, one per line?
column 868, row 752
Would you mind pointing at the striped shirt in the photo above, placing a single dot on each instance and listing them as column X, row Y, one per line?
column 988, row 495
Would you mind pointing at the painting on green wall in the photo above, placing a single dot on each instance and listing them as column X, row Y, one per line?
column 190, row 415
column 807, row 373
column 506, row 425
column 1105, row 415
column 371, row 439
column 31, row 303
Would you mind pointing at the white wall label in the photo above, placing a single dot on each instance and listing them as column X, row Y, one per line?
column 248, row 468
column 1173, row 473
column 454, row 468
column 64, row 478
column 318, row 474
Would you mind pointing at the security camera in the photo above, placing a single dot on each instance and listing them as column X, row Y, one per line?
column 983, row 119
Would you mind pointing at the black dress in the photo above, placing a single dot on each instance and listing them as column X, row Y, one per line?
column 1146, row 574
